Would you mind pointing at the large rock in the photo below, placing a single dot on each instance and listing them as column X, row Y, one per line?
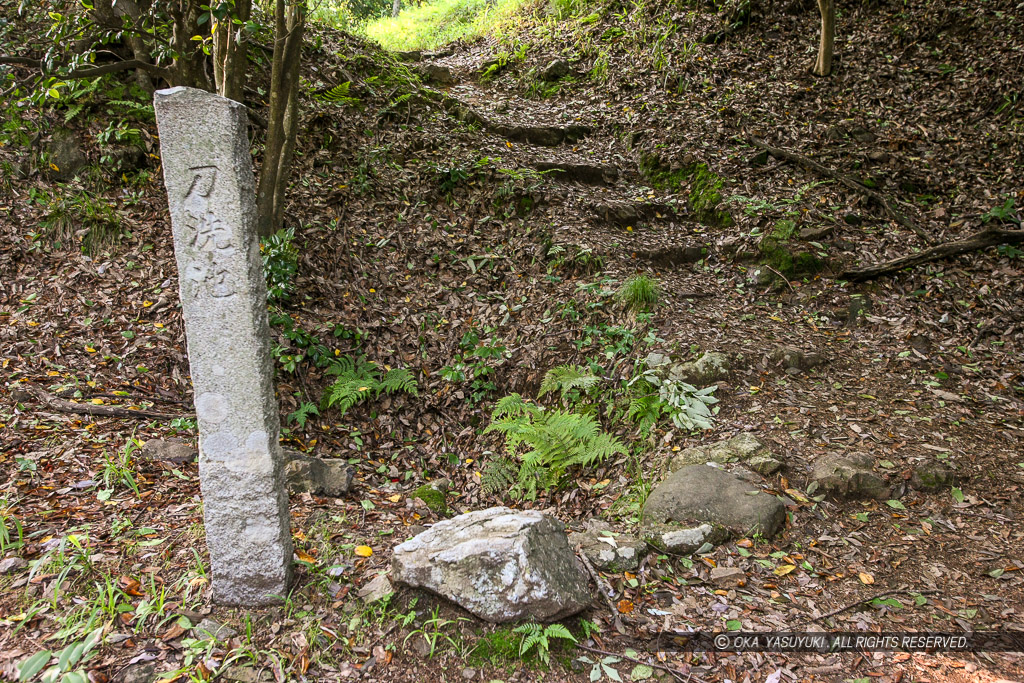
column 702, row 493
column 683, row 539
column 169, row 450
column 849, row 476
column 500, row 564
column 64, row 155
column 744, row 448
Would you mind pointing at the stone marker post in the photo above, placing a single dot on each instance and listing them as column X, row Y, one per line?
column 204, row 147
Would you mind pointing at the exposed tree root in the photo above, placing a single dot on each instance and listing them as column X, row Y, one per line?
column 811, row 165
column 980, row 240
column 60, row 405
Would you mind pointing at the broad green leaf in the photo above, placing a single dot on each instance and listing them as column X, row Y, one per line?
column 896, row 505
column 33, row 665
column 641, row 672
column 958, row 495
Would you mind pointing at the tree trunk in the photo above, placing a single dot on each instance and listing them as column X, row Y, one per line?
column 230, row 51
column 823, row 67
column 396, row 7
column 282, row 126
column 189, row 67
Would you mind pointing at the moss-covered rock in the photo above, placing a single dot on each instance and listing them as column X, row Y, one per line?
column 434, row 497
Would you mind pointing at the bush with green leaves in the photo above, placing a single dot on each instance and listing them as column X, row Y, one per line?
column 280, row 264
column 475, row 363
column 547, row 442
column 359, row 380
column 638, row 293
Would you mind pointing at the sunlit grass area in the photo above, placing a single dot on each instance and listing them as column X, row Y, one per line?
column 438, row 23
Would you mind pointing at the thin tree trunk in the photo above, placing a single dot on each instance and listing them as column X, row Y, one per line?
column 396, row 7
column 823, row 67
column 189, row 65
column 282, row 125
column 230, row 52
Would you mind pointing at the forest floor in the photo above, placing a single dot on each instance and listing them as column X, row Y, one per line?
column 428, row 238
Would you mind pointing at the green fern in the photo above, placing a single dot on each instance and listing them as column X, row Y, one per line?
column 540, row 637
column 359, row 380
column 551, row 442
column 566, row 379
column 338, row 94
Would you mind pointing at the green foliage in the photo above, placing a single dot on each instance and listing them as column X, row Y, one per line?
column 437, row 23
column 777, row 252
column 280, row 264
column 1007, row 213
column 12, row 535
column 303, row 413
column 653, row 397
column 67, row 669
column 567, row 380
column 339, row 94
column 118, row 470
column 359, row 380
column 540, row 638
column 639, row 293
column 476, row 363
column 554, row 441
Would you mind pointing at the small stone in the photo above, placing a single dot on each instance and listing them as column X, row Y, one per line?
column 378, row 588
column 793, row 358
column 555, row 70
column 710, row 368
column 849, row 476
column 816, row 233
column 930, row 476
column 433, row 496
column 728, row 577
column 245, row 674
column 11, row 565
column 878, row 156
column 608, row 550
column 435, row 73
column 318, row 476
column 862, row 134
column 469, row 674
column 169, row 450
column 743, row 448
column 141, row 672
column 208, row 628
column 421, row 647
column 656, row 359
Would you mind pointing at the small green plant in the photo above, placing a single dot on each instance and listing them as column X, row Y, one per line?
column 118, row 470
column 638, row 293
column 1007, row 213
column 554, row 440
column 432, row 631
column 540, row 638
column 653, row 397
column 78, row 216
column 475, row 363
column 12, row 535
column 67, row 669
column 568, row 380
column 280, row 264
column 359, row 380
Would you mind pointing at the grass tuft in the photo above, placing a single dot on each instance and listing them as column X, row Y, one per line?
column 438, row 23
column 639, row 293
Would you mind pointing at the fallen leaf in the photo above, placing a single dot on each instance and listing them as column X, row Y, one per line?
column 363, row 550
column 866, row 578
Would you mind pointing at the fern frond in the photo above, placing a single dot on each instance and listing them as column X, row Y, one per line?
column 399, row 380
column 338, row 94
column 565, row 378
column 512, row 405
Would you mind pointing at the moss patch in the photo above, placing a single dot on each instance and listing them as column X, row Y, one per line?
column 500, row 648
column 434, row 499
column 705, row 187
column 778, row 252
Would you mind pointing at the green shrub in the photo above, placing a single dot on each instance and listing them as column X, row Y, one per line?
column 554, row 442
column 280, row 264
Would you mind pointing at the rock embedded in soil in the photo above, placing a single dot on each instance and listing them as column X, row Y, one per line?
column 65, row 155
column 556, row 69
column 500, row 564
column 209, row 628
column 307, row 474
column 743, row 448
column 708, row 494
column 932, row 476
column 434, row 496
column 169, row 450
column 710, row 368
column 608, row 550
column 435, row 73
column 682, row 538
column 11, row 565
column 849, row 476
column 376, row 589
